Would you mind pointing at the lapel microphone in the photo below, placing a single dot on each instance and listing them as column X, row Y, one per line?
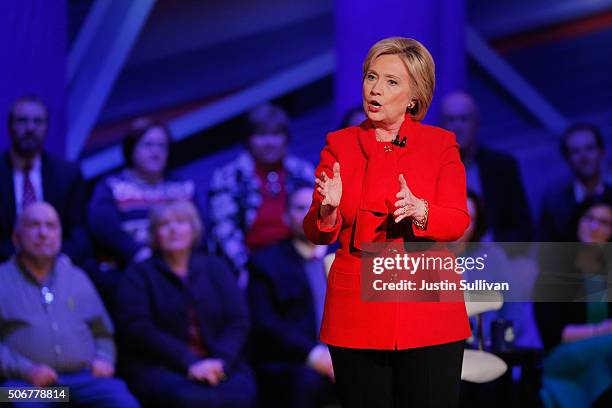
column 396, row 141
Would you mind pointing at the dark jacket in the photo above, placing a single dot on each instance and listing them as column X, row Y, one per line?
column 506, row 205
column 64, row 189
column 153, row 319
column 281, row 304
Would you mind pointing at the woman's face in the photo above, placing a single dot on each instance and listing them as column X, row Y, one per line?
column 596, row 224
column 174, row 233
column 268, row 147
column 151, row 152
column 386, row 90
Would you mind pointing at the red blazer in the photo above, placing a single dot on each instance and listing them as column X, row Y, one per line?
column 433, row 170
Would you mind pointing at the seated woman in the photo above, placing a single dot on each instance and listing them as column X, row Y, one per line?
column 566, row 321
column 576, row 327
column 182, row 322
column 119, row 209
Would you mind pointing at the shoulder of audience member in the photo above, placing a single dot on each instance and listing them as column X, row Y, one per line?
column 5, row 268
column 63, row 166
column 114, row 177
column 64, row 264
column 269, row 254
column 226, row 174
column 554, row 194
column 216, row 269
column 497, row 156
column 212, row 263
column 175, row 178
column 298, row 165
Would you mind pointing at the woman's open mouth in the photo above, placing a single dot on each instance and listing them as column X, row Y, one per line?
column 374, row 106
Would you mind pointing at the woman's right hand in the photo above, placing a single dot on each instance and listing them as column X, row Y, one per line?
column 330, row 188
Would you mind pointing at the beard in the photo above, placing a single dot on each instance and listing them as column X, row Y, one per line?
column 29, row 145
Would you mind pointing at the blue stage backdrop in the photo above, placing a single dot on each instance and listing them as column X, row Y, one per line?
column 33, row 56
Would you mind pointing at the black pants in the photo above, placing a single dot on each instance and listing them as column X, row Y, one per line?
column 421, row 377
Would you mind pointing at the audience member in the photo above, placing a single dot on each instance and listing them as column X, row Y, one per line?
column 286, row 296
column 248, row 195
column 28, row 173
column 519, row 272
column 54, row 330
column 182, row 320
column 119, row 209
column 583, row 148
column 493, row 175
column 577, row 327
column 576, row 314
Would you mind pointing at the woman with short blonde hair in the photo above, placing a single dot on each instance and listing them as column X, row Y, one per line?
column 176, row 209
column 182, row 321
column 390, row 180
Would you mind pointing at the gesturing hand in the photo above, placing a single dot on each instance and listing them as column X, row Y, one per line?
column 330, row 188
column 408, row 204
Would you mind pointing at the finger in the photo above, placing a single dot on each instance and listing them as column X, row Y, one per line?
column 401, row 194
column 401, row 203
column 402, row 182
column 321, row 191
column 400, row 218
column 336, row 169
column 212, row 379
column 324, row 176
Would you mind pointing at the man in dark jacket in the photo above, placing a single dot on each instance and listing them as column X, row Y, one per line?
column 29, row 174
column 583, row 148
column 286, row 296
column 493, row 175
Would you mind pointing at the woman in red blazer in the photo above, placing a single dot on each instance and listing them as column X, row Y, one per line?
column 370, row 188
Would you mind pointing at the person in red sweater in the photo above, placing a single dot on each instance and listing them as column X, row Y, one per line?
column 368, row 189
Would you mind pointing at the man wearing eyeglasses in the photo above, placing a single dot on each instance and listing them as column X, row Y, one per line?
column 54, row 330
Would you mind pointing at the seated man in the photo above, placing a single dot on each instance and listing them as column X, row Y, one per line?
column 54, row 330
column 286, row 296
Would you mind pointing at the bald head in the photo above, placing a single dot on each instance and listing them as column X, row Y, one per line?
column 460, row 115
column 38, row 232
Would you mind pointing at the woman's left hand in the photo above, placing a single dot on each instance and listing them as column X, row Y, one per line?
column 408, row 204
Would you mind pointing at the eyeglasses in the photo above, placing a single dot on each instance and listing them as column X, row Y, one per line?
column 47, row 296
column 596, row 220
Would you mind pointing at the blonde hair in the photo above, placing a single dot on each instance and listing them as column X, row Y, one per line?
column 183, row 209
column 420, row 66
